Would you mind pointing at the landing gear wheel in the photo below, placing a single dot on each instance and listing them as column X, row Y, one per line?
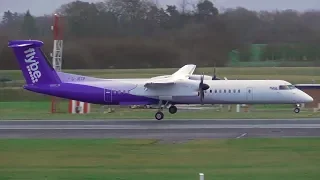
column 173, row 109
column 159, row 116
column 296, row 110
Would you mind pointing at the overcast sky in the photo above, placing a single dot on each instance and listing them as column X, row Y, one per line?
column 39, row 7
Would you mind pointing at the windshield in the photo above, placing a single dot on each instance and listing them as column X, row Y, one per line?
column 286, row 87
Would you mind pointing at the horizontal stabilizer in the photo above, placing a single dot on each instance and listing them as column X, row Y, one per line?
column 24, row 43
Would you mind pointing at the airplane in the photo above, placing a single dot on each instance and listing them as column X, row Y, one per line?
column 181, row 87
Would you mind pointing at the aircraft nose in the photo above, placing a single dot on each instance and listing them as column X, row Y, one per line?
column 307, row 98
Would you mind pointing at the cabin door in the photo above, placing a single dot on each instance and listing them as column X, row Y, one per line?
column 108, row 95
column 249, row 94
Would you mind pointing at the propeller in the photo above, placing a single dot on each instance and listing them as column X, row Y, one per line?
column 202, row 88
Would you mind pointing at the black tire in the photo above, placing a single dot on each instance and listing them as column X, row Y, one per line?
column 297, row 110
column 173, row 109
column 159, row 116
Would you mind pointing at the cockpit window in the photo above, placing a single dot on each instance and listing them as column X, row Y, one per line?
column 286, row 87
column 283, row 87
column 292, row 87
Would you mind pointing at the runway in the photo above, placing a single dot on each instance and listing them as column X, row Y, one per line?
column 165, row 129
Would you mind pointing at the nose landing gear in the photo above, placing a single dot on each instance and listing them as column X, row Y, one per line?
column 297, row 108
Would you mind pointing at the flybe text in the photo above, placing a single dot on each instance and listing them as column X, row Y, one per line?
column 32, row 65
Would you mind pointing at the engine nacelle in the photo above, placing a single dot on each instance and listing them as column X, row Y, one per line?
column 198, row 77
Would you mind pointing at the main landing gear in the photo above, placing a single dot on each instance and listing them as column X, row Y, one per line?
column 159, row 115
column 173, row 109
column 297, row 108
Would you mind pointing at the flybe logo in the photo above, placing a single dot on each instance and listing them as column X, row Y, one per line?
column 32, row 65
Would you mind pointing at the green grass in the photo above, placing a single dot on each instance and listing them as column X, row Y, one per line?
column 292, row 74
column 20, row 95
column 237, row 159
column 42, row 110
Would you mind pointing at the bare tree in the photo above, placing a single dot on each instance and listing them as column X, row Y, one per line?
column 183, row 5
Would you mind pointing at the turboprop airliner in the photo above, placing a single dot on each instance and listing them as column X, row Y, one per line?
column 181, row 87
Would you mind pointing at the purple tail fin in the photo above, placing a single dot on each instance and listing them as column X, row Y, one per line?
column 33, row 63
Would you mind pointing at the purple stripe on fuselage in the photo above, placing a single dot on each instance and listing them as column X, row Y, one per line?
column 90, row 94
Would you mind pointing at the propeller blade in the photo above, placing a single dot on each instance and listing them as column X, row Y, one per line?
column 202, row 88
column 201, row 96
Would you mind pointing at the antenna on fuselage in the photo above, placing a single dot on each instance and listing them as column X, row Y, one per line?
column 214, row 76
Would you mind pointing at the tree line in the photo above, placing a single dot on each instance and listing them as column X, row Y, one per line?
column 142, row 34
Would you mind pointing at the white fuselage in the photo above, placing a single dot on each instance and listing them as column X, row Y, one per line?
column 228, row 92
column 185, row 91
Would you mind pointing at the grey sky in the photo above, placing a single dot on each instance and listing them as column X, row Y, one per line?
column 39, row 7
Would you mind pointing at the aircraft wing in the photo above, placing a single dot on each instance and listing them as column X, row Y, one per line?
column 164, row 82
column 168, row 80
column 185, row 71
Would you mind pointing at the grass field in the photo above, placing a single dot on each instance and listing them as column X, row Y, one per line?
column 292, row 74
column 41, row 110
column 237, row 159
